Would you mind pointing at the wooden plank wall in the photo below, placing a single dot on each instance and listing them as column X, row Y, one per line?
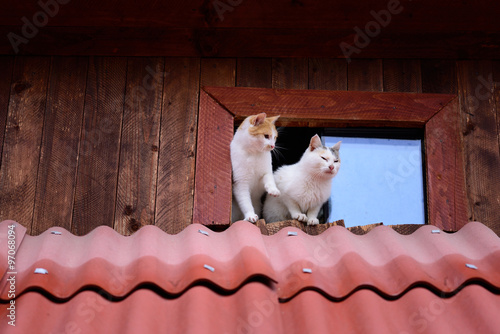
column 89, row 141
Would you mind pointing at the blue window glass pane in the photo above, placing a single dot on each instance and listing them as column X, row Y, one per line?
column 380, row 180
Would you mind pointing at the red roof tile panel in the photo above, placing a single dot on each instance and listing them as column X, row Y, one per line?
column 254, row 308
column 118, row 264
column 339, row 261
column 198, row 310
column 239, row 281
column 472, row 310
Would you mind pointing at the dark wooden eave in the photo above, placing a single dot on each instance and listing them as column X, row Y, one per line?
column 254, row 28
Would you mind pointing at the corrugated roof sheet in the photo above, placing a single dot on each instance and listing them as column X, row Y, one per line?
column 204, row 281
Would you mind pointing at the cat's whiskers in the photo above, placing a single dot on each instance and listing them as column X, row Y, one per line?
column 277, row 153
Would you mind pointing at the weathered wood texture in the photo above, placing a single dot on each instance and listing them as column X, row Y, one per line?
column 402, row 76
column 366, row 75
column 315, row 108
column 290, row 73
column 254, row 72
column 99, row 153
column 61, row 136
column 23, row 135
column 176, row 164
column 480, row 139
column 327, row 74
column 281, row 28
column 140, row 134
column 6, row 67
column 104, row 150
column 212, row 196
column 446, row 201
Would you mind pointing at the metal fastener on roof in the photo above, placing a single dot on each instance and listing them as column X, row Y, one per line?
column 206, row 266
column 203, row 232
column 307, row 270
column 290, row 233
column 468, row 265
column 435, row 231
column 41, row 271
column 55, row 232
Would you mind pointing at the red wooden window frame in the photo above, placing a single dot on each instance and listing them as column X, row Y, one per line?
column 437, row 114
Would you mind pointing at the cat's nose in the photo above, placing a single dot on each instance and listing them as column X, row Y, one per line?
column 331, row 167
column 271, row 147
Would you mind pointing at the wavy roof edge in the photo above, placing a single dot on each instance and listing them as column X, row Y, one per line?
column 289, row 227
column 379, row 259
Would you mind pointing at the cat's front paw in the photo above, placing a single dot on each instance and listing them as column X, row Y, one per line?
column 252, row 218
column 312, row 221
column 300, row 217
column 273, row 191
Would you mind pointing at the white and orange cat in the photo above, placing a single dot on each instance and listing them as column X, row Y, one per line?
column 252, row 166
column 305, row 186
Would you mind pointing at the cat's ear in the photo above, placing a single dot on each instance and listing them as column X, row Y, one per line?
column 315, row 143
column 336, row 147
column 273, row 119
column 258, row 119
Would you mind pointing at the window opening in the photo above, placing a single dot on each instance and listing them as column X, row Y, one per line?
column 381, row 178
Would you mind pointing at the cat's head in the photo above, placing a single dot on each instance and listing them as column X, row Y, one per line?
column 259, row 132
column 322, row 161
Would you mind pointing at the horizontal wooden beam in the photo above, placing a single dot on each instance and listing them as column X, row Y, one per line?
column 248, row 42
column 327, row 108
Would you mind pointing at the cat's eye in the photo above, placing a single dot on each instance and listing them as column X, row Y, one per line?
column 266, row 136
column 336, row 161
column 324, row 158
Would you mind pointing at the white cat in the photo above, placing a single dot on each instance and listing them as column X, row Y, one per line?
column 252, row 166
column 305, row 185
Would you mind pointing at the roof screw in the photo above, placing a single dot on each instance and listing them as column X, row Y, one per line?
column 206, row 266
column 471, row 266
column 203, row 232
column 55, row 232
column 435, row 231
column 290, row 233
column 307, row 270
column 41, row 271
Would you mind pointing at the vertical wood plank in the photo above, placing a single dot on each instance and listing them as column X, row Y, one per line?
column 496, row 87
column 218, row 72
column 139, row 145
column 446, row 198
column 254, row 72
column 23, row 134
column 212, row 198
column 175, row 190
column 495, row 226
column 327, row 74
column 290, row 73
column 439, row 76
column 402, row 75
column 480, row 138
column 6, row 68
column 61, row 133
column 99, row 150
column 365, row 75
